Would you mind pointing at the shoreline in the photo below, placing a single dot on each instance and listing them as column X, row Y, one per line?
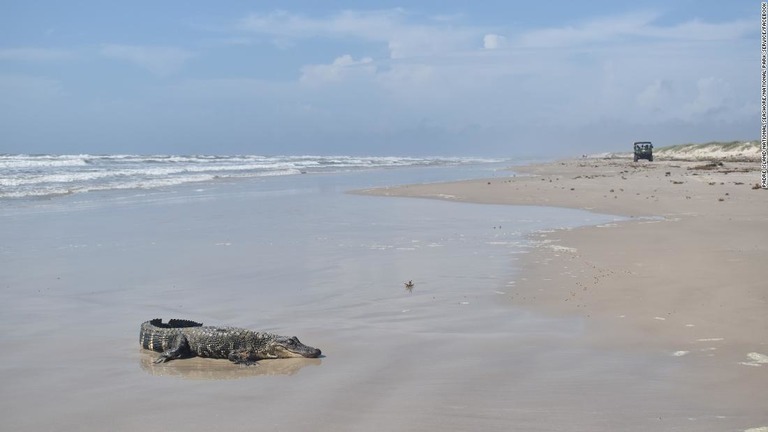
column 682, row 276
column 319, row 264
column 475, row 344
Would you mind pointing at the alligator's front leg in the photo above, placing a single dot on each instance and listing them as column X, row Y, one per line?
column 243, row 357
column 179, row 348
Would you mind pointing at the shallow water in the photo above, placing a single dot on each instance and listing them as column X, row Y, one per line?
column 298, row 256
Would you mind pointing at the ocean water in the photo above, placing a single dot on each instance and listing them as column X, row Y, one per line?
column 294, row 232
column 50, row 175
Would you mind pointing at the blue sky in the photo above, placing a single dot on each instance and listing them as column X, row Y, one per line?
column 491, row 78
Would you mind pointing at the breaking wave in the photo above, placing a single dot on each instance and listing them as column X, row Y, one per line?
column 48, row 175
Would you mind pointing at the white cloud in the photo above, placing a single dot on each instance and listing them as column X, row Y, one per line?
column 409, row 78
column 158, row 60
column 435, row 63
column 34, row 54
column 393, row 28
column 493, row 41
column 707, row 100
column 618, row 28
column 656, row 97
column 696, row 30
column 371, row 25
column 447, row 18
column 712, row 98
column 341, row 68
column 597, row 30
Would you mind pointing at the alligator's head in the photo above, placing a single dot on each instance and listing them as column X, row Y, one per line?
column 287, row 347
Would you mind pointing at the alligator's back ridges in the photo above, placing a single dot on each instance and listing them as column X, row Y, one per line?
column 174, row 323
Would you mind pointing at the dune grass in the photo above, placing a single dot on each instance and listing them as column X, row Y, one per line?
column 712, row 146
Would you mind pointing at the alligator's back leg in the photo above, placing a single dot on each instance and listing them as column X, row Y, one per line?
column 178, row 347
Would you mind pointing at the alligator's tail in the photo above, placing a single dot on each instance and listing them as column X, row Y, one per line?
column 156, row 335
column 174, row 323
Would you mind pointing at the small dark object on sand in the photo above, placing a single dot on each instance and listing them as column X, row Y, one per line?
column 409, row 286
column 707, row 166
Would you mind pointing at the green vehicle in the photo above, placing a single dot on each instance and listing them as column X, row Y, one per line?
column 643, row 150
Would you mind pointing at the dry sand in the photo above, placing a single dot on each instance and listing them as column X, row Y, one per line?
column 685, row 274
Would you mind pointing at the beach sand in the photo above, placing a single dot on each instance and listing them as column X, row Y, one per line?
column 571, row 331
column 684, row 275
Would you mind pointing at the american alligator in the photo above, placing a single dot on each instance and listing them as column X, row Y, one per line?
column 181, row 339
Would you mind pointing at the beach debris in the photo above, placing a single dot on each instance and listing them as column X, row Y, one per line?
column 757, row 359
column 680, row 353
column 409, row 286
column 708, row 166
column 558, row 248
column 756, row 186
column 710, row 340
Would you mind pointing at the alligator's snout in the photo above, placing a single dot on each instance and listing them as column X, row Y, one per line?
column 307, row 351
column 292, row 347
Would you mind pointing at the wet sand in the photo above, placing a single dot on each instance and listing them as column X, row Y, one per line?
column 684, row 276
column 474, row 345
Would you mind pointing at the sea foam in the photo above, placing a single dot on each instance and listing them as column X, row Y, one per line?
column 50, row 175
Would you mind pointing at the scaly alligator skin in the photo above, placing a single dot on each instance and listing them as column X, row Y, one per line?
column 181, row 339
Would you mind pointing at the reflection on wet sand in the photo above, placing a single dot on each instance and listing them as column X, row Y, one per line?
column 215, row 369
